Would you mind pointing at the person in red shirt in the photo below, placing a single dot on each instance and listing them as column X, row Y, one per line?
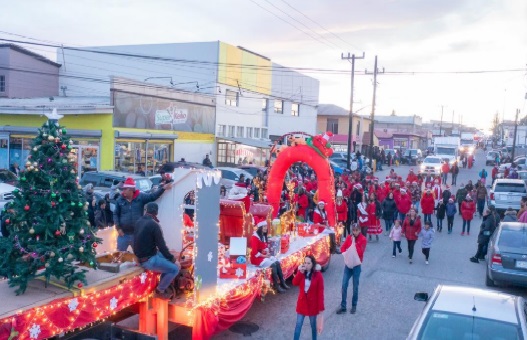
column 360, row 242
column 494, row 173
column 411, row 230
column 445, row 169
column 260, row 257
column 374, row 214
column 320, row 215
column 403, row 203
column 468, row 208
column 310, row 301
column 301, row 204
column 412, row 177
column 427, row 205
column 342, row 210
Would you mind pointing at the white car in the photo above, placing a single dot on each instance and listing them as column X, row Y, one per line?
column 455, row 312
column 6, row 194
column 229, row 176
column 431, row 164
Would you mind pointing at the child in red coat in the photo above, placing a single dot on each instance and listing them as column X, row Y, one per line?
column 310, row 300
column 468, row 208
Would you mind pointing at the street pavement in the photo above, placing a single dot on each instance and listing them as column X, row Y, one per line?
column 386, row 308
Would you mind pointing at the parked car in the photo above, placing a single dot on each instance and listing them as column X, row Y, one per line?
column 6, row 176
column 230, row 176
column 507, row 255
column 105, row 179
column 431, row 164
column 6, row 194
column 491, row 157
column 454, row 312
column 412, row 157
column 507, row 193
column 253, row 169
column 523, row 175
column 337, row 169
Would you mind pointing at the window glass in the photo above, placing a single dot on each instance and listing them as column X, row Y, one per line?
column 231, row 98
column 2, row 83
column 264, row 104
column 256, row 133
column 228, row 174
column 294, row 109
column 332, row 125
column 239, row 131
column 513, row 238
column 278, row 106
column 510, row 187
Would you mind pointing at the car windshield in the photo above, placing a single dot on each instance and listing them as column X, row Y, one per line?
column 510, row 187
column 446, row 151
column 443, row 325
column 432, row 160
column 513, row 238
column 143, row 184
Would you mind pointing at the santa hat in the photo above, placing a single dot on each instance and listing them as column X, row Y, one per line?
column 358, row 186
column 414, row 182
column 339, row 193
column 451, row 200
column 411, row 170
column 428, row 185
column 321, row 202
column 129, row 183
column 261, row 224
column 436, row 180
column 327, row 135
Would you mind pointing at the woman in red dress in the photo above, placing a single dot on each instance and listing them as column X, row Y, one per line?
column 374, row 213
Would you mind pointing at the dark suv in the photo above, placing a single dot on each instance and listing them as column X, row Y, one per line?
column 412, row 157
column 105, row 179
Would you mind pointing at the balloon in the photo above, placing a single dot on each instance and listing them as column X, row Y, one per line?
column 302, row 153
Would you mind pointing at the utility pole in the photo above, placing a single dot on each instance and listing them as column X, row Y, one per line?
column 515, row 132
column 350, row 121
column 441, row 123
column 372, row 125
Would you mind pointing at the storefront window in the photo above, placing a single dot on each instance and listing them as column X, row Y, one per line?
column 141, row 157
column 19, row 148
column 4, row 148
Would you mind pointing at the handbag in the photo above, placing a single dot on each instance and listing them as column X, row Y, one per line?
column 351, row 257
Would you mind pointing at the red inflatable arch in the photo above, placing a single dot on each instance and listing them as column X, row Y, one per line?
column 302, row 153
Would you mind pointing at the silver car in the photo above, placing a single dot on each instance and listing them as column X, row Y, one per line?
column 507, row 193
column 507, row 255
column 454, row 312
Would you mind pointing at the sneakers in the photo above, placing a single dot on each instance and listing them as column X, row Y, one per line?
column 279, row 289
column 474, row 259
column 393, row 256
column 163, row 295
column 284, row 286
column 410, row 261
column 400, row 251
column 341, row 311
column 426, row 262
column 353, row 309
column 463, row 234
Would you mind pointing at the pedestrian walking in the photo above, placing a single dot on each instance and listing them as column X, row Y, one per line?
column 450, row 210
column 468, row 208
column 363, row 216
column 481, row 197
column 152, row 252
column 374, row 214
column 129, row 208
column 395, row 235
column 411, row 230
column 440, row 215
column 445, row 169
column 310, row 301
column 461, row 193
column 455, row 171
column 388, row 211
column 427, row 237
column 353, row 250
column 488, row 225
column 427, row 205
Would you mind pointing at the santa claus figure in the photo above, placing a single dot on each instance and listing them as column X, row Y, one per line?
column 321, row 144
column 437, row 191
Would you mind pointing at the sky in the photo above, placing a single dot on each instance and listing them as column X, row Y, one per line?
column 455, row 57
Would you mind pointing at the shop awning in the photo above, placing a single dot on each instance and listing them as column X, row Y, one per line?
column 34, row 130
column 256, row 143
column 144, row 135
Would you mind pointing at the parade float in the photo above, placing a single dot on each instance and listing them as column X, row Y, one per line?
column 216, row 286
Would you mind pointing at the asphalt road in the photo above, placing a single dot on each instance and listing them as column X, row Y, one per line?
column 386, row 309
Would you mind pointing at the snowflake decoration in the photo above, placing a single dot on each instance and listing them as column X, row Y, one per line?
column 73, row 304
column 239, row 272
column 113, row 303
column 34, row 331
column 209, row 256
column 143, row 278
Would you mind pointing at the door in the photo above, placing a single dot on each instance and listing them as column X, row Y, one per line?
column 87, row 158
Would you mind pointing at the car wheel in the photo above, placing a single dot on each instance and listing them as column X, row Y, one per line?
column 488, row 281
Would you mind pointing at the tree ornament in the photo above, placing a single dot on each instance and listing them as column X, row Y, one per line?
column 31, row 231
column 57, row 233
column 88, row 222
column 53, row 204
column 16, row 191
column 23, row 179
column 79, row 285
column 36, row 170
column 64, row 161
column 50, row 138
column 64, row 131
column 61, row 200
column 49, row 160
column 72, row 204
column 80, row 204
column 57, row 140
column 7, row 221
column 31, row 168
column 81, row 231
column 60, row 259
column 53, row 195
column 35, row 148
column 69, row 257
column 28, row 163
column 63, row 146
column 52, row 254
column 69, row 147
column 72, row 171
column 81, row 249
column 26, row 207
column 94, row 245
column 35, row 164
column 46, row 265
column 71, row 236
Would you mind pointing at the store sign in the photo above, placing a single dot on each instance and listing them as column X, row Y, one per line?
column 163, row 117
column 179, row 116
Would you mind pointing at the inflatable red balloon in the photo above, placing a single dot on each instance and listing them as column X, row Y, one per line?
column 320, row 164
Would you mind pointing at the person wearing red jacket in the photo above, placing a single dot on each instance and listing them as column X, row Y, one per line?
column 411, row 230
column 427, row 205
column 342, row 210
column 260, row 257
column 310, row 300
column 360, row 244
column 403, row 203
column 445, row 169
column 494, row 173
column 468, row 208
column 301, row 204
column 412, row 177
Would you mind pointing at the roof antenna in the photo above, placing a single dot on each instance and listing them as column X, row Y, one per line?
column 474, row 307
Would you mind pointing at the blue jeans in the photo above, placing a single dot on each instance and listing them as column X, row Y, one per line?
column 300, row 322
column 417, row 205
column 481, row 205
column 439, row 223
column 427, row 217
column 401, row 216
column 389, row 224
column 124, row 241
column 466, row 224
column 159, row 264
column 396, row 245
column 348, row 273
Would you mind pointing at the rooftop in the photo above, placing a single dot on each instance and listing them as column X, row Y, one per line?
column 29, row 53
column 62, row 104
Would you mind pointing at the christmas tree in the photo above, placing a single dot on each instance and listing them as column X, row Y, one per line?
column 49, row 230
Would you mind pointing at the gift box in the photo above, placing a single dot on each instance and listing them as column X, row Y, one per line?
column 274, row 245
column 305, row 229
column 284, row 244
column 236, row 266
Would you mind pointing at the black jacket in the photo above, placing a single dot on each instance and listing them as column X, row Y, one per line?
column 100, row 219
column 148, row 239
column 487, row 229
column 388, row 209
column 127, row 213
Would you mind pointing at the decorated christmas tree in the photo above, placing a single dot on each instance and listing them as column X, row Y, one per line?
column 49, row 231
